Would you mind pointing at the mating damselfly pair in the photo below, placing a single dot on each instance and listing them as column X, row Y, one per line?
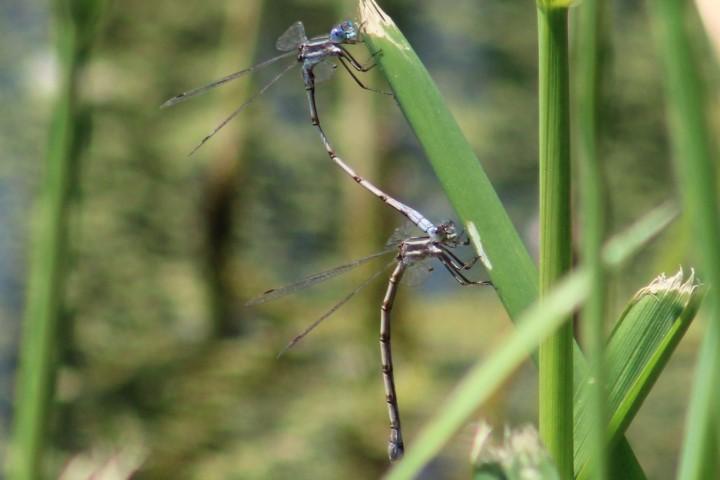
column 437, row 241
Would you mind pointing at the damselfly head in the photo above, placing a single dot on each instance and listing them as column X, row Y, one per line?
column 445, row 232
column 345, row 32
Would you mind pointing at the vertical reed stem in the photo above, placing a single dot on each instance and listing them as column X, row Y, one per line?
column 592, row 215
column 76, row 22
column 555, row 355
column 38, row 349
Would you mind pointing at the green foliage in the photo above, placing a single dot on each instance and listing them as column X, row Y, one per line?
column 696, row 164
column 160, row 364
column 641, row 343
column 456, row 166
column 406, row 74
column 40, row 348
column 536, row 324
column 520, row 455
column 555, row 4
column 593, row 199
column 555, row 356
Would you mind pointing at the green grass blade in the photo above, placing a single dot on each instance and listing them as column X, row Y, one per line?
column 623, row 458
column 465, row 183
column 555, row 381
column 624, row 464
column 640, row 345
column 536, row 324
column 456, row 166
column 483, row 380
column 75, row 23
column 695, row 161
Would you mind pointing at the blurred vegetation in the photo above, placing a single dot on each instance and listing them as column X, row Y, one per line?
column 696, row 157
column 161, row 364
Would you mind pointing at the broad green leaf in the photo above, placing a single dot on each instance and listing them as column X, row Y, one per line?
column 641, row 343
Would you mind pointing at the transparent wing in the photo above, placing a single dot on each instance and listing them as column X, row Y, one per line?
column 314, row 279
column 292, row 38
column 416, row 273
column 242, row 107
column 402, row 233
column 323, row 70
column 200, row 90
column 334, row 309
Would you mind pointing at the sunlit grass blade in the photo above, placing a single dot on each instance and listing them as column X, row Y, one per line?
column 640, row 345
column 696, row 165
column 536, row 324
column 456, row 166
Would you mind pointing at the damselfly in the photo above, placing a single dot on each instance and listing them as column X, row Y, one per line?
column 313, row 55
column 410, row 252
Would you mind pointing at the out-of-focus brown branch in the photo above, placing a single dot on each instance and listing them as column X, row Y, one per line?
column 224, row 177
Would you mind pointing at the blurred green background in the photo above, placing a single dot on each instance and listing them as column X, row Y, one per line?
column 162, row 366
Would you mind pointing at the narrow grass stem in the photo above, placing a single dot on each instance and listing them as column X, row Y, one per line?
column 76, row 22
column 38, row 349
column 555, row 355
column 592, row 215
